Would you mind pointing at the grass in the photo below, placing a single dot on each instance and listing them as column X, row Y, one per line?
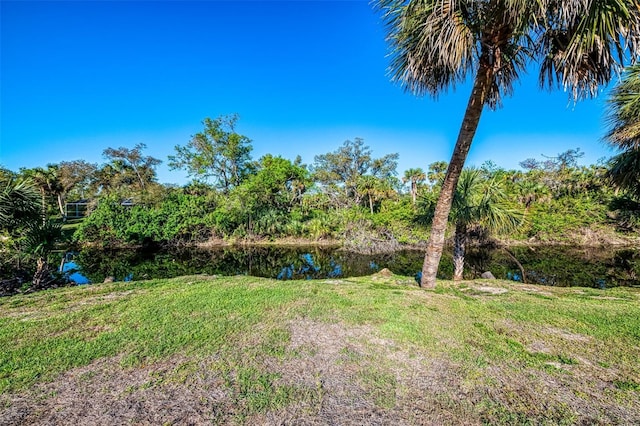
column 251, row 350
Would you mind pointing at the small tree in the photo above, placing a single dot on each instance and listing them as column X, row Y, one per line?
column 39, row 241
column 46, row 180
column 218, row 153
column 436, row 172
column 414, row 177
column 130, row 167
column 344, row 168
column 32, row 233
column 478, row 202
column 19, row 204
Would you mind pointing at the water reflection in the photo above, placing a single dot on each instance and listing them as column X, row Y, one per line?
column 558, row 266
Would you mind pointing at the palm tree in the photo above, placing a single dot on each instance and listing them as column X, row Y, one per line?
column 624, row 122
column 624, row 171
column 530, row 191
column 21, row 215
column 373, row 188
column 436, row 173
column 19, row 204
column 415, row 177
column 437, row 43
column 478, row 202
column 46, row 181
column 39, row 241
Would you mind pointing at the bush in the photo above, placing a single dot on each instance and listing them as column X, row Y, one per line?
column 178, row 217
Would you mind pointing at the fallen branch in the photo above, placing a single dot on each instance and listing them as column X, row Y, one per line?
column 513, row 257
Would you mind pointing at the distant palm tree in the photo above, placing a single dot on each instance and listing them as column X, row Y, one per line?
column 415, row 177
column 438, row 43
column 624, row 133
column 478, row 202
column 529, row 191
column 46, row 180
column 373, row 188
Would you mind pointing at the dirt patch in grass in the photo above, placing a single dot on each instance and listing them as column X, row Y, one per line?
column 334, row 373
column 567, row 335
column 105, row 393
column 480, row 289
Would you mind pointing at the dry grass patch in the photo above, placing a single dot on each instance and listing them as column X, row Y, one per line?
column 375, row 350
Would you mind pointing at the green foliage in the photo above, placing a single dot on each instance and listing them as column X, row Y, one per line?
column 178, row 217
column 279, row 199
column 130, row 168
column 19, row 204
column 624, row 171
column 218, row 153
column 278, row 183
column 41, row 237
column 351, row 175
column 624, row 132
column 624, row 111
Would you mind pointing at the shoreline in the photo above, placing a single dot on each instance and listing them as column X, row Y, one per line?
column 603, row 241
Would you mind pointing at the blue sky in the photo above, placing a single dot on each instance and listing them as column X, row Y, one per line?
column 77, row 77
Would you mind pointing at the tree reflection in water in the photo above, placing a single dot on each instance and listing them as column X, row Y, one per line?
column 560, row 266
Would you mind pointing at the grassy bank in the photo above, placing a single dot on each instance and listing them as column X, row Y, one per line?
column 367, row 350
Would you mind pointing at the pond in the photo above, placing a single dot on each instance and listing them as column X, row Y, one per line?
column 557, row 266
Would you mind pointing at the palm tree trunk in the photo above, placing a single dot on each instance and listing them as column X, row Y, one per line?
column 435, row 245
column 459, row 246
column 61, row 207
column 42, row 276
column 414, row 191
column 371, row 203
column 44, row 205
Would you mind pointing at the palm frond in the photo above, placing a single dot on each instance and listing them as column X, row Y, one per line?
column 623, row 114
column 483, row 201
column 19, row 203
column 624, row 171
column 41, row 237
column 583, row 44
column 432, row 43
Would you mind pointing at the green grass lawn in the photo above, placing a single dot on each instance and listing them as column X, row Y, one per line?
column 249, row 350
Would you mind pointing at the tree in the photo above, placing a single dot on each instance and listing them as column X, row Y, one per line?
column 56, row 181
column 104, row 180
column 343, row 168
column 39, row 241
column 218, row 153
column 373, row 189
column 414, row 177
column 19, row 204
column 21, row 216
column 436, row 172
column 130, row 167
column 277, row 183
column 436, row 44
column 75, row 177
column 624, row 171
column 623, row 118
column 531, row 164
column 480, row 202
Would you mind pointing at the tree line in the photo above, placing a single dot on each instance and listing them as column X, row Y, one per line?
column 578, row 46
column 347, row 195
